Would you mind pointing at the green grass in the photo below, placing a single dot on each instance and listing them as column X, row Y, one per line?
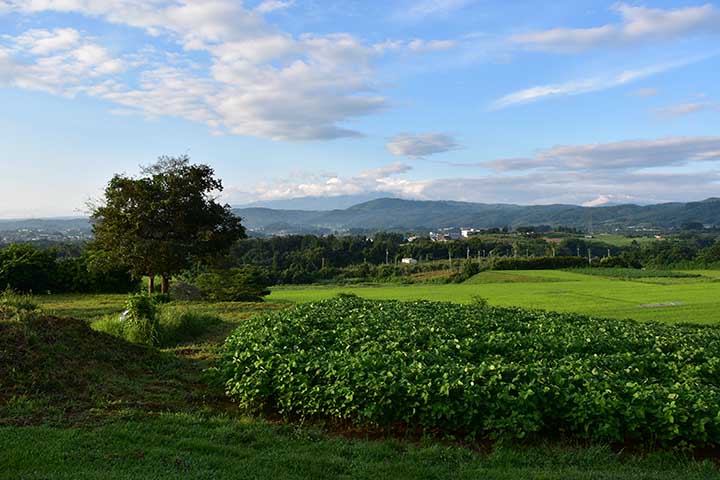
column 86, row 409
column 697, row 299
column 170, row 446
column 635, row 273
column 622, row 240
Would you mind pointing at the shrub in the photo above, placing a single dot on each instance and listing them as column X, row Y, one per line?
column 630, row 273
column 622, row 261
column 141, row 324
column 487, row 371
column 247, row 284
column 537, row 263
column 469, row 269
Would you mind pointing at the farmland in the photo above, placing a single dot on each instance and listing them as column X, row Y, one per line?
column 664, row 299
column 163, row 413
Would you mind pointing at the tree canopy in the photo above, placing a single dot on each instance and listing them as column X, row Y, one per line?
column 164, row 220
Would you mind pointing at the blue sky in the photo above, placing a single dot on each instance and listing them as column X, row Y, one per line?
column 530, row 102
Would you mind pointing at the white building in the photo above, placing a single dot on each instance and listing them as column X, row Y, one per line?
column 409, row 261
column 468, row 232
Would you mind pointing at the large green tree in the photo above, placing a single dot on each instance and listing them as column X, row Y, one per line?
column 164, row 220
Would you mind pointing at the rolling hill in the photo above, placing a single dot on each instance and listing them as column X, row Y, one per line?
column 409, row 215
column 399, row 214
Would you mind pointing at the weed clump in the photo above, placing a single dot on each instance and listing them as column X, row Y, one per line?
column 17, row 306
column 148, row 321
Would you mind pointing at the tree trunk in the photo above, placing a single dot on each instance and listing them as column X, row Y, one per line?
column 165, row 284
column 151, row 284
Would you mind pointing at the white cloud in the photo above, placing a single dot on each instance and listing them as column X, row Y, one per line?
column 421, row 145
column 427, row 8
column 8, row 68
column 619, row 156
column 268, row 6
column 646, row 92
column 313, row 185
column 638, row 25
column 259, row 81
column 568, row 187
column 682, row 109
column 418, row 45
column 43, row 42
column 587, row 85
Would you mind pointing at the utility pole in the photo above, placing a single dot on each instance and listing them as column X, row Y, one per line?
column 589, row 256
column 450, row 258
column 387, row 257
column 322, row 263
column 578, row 250
column 609, row 255
column 468, row 253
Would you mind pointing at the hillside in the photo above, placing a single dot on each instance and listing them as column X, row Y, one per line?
column 399, row 214
column 391, row 213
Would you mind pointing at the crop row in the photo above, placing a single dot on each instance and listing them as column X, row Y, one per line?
column 481, row 371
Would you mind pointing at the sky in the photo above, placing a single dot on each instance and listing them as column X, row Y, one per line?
column 530, row 102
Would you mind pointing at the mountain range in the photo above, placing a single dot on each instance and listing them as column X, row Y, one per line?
column 399, row 214
column 415, row 215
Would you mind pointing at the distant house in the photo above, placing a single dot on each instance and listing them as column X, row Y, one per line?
column 469, row 232
column 409, row 261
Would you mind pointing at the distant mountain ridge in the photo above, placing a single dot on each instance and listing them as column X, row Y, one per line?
column 399, row 214
column 425, row 215
column 315, row 203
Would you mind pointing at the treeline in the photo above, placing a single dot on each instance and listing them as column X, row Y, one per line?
column 60, row 269
column 302, row 259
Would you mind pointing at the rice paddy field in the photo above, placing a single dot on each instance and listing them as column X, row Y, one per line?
column 673, row 299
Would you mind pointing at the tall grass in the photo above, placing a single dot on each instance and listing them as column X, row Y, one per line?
column 15, row 305
column 172, row 325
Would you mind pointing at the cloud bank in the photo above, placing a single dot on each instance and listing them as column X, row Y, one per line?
column 233, row 71
column 637, row 25
column 421, row 144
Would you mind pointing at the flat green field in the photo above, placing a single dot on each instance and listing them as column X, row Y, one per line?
column 694, row 300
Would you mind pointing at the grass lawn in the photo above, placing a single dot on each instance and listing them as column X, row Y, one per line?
column 693, row 299
column 170, row 446
column 164, row 417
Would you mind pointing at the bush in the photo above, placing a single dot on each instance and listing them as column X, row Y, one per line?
column 469, row 269
column 480, row 370
column 26, row 268
column 141, row 324
column 247, row 284
column 537, row 263
column 619, row 262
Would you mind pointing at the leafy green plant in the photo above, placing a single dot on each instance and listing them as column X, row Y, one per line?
column 16, row 306
column 140, row 318
column 247, row 284
column 486, row 372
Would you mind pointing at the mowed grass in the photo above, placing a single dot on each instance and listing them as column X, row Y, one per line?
column 190, row 446
column 671, row 300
